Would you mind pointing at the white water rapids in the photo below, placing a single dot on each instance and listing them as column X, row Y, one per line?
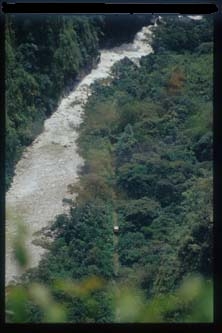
column 52, row 161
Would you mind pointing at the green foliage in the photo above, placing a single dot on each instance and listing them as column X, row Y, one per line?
column 141, row 211
column 182, row 34
column 84, row 301
column 160, row 147
column 83, row 248
column 191, row 302
column 196, row 248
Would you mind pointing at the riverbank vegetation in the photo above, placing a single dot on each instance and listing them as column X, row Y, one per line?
column 147, row 144
column 152, row 128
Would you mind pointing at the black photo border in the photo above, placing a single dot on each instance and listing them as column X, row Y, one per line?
column 143, row 6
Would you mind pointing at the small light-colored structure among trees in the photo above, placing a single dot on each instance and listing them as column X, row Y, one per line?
column 116, row 229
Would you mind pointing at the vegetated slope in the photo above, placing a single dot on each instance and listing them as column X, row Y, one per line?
column 163, row 156
column 159, row 136
column 147, row 142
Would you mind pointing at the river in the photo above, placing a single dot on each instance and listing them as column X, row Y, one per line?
column 52, row 161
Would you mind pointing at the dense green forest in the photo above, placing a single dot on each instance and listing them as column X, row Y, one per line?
column 147, row 144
